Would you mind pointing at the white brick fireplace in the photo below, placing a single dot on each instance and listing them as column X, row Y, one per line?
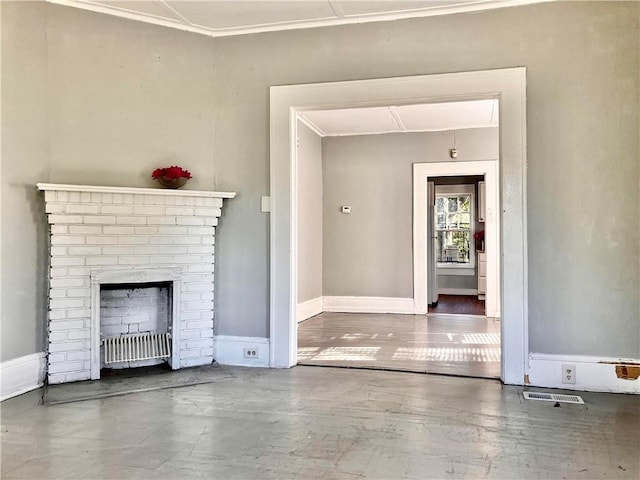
column 104, row 237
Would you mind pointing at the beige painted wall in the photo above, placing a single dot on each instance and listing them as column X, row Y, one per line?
column 309, row 214
column 127, row 97
column 25, row 161
column 124, row 97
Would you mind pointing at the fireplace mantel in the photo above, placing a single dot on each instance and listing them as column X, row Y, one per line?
column 57, row 187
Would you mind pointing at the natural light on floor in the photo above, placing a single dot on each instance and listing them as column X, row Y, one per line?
column 435, row 354
column 448, row 354
column 481, row 338
column 460, row 345
column 348, row 353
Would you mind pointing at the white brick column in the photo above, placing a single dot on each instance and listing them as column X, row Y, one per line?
column 101, row 229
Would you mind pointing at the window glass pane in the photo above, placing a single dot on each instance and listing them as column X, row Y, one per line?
column 440, row 221
column 440, row 205
column 452, row 247
column 452, row 220
column 465, row 220
column 452, row 204
column 461, row 240
column 464, row 203
column 440, row 240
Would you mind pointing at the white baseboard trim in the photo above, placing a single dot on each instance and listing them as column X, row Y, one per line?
column 229, row 350
column 309, row 309
column 369, row 305
column 458, row 291
column 593, row 374
column 21, row 375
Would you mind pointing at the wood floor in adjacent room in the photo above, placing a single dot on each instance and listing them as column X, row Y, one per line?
column 447, row 344
column 458, row 304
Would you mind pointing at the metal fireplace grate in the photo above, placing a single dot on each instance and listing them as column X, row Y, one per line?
column 553, row 397
column 130, row 348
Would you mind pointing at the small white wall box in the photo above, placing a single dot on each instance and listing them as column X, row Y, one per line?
column 345, row 209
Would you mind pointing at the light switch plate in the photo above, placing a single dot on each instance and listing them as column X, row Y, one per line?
column 265, row 205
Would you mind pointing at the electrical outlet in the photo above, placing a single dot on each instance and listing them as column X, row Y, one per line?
column 568, row 374
column 250, row 352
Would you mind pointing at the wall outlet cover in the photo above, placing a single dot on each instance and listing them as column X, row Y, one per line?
column 568, row 373
column 250, row 352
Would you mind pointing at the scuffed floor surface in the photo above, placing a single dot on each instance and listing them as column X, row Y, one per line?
column 133, row 380
column 310, row 422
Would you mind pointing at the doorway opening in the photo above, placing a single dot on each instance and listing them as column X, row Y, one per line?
column 355, row 245
column 508, row 85
column 457, row 260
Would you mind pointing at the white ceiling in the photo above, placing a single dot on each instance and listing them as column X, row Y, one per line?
column 236, row 17
column 426, row 117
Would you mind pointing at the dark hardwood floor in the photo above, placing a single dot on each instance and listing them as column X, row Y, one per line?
column 459, row 304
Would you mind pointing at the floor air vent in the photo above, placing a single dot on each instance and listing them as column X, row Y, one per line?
column 553, row 397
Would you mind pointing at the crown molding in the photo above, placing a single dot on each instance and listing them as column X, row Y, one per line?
column 340, row 19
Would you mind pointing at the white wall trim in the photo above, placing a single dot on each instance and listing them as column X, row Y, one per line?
column 22, row 374
column 310, row 308
column 508, row 84
column 369, row 305
column 458, row 291
column 594, row 374
column 316, row 129
column 229, row 350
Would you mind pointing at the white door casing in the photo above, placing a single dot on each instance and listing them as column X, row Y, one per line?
column 508, row 85
column 432, row 275
column 421, row 258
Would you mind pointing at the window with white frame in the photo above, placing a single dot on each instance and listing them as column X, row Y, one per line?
column 454, row 225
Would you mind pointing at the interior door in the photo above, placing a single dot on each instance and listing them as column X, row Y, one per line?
column 432, row 277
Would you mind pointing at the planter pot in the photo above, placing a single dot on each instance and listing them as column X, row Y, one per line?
column 173, row 183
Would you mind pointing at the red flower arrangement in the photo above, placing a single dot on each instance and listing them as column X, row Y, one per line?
column 171, row 177
column 171, row 173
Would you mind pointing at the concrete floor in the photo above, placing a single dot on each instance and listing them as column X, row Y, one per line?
column 311, row 422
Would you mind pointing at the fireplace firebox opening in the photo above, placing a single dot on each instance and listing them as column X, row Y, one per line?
column 135, row 324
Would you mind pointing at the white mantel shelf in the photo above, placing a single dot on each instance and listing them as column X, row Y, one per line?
column 131, row 190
